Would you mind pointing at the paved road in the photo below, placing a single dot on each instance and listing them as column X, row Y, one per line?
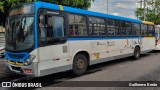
column 5, row 74
column 126, row 69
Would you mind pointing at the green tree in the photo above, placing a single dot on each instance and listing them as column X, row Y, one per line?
column 5, row 5
column 152, row 12
column 139, row 13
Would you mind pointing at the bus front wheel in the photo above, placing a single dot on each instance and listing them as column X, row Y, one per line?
column 137, row 53
column 80, row 64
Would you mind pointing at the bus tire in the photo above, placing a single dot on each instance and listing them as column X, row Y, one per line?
column 137, row 53
column 80, row 64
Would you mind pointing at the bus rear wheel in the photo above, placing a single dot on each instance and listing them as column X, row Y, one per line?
column 137, row 53
column 80, row 64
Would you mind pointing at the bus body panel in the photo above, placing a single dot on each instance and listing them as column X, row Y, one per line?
column 157, row 36
column 152, row 42
column 98, row 52
column 52, row 57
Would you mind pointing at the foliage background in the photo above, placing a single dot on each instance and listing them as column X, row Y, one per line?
column 152, row 11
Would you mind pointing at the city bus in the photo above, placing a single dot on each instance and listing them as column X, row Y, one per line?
column 44, row 38
column 157, row 36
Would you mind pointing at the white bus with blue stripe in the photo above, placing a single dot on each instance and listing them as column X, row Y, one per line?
column 44, row 38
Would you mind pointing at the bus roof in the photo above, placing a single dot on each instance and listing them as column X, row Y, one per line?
column 81, row 11
column 147, row 22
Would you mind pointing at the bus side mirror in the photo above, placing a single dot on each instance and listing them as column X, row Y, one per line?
column 41, row 21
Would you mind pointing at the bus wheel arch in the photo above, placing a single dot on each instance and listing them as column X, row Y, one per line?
column 81, row 62
column 137, row 52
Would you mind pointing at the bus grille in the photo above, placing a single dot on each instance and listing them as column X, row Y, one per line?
column 16, row 56
column 16, row 68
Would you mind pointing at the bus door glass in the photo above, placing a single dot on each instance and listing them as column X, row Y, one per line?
column 51, row 29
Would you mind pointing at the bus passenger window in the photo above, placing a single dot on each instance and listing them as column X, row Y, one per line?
column 96, row 26
column 77, row 25
column 144, row 30
column 123, row 27
column 117, row 27
column 128, row 28
column 135, row 29
column 111, row 27
column 151, row 30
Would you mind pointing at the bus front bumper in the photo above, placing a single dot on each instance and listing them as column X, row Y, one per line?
column 157, row 47
column 31, row 70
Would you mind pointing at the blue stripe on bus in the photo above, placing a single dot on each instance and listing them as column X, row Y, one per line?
column 49, row 5
column 107, row 38
column 37, row 6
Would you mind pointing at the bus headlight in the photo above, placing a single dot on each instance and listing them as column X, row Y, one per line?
column 29, row 60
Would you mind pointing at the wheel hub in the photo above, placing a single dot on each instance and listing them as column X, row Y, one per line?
column 79, row 64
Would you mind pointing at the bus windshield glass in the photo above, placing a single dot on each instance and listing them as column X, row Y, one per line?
column 20, row 33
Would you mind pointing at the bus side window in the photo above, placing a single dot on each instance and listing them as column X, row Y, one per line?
column 96, row 26
column 123, row 27
column 117, row 27
column 77, row 25
column 128, row 28
column 136, row 29
column 142, row 30
column 145, row 30
column 111, row 27
column 151, row 30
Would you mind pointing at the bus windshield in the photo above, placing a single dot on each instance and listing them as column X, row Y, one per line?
column 19, row 33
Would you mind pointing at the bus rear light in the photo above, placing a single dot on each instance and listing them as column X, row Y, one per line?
column 28, row 71
column 156, row 42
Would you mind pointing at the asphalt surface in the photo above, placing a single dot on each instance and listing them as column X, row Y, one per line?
column 5, row 74
column 147, row 68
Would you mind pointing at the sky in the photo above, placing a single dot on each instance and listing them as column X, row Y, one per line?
column 125, row 8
